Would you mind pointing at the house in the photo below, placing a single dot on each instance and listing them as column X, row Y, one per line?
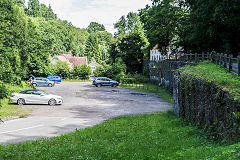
column 94, row 65
column 69, row 59
column 155, row 54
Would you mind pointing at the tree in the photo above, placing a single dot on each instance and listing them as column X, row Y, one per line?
column 104, row 41
column 214, row 25
column 131, row 49
column 20, row 3
column 130, row 43
column 46, row 12
column 9, row 42
column 92, row 49
column 95, row 27
column 163, row 21
column 33, row 8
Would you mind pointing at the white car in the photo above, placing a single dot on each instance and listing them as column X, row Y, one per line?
column 34, row 96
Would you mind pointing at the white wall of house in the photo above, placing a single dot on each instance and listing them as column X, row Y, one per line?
column 155, row 55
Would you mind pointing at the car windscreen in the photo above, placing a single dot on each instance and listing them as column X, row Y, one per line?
column 40, row 93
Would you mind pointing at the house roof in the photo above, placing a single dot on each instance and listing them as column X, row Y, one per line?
column 156, row 47
column 77, row 60
column 63, row 59
column 71, row 60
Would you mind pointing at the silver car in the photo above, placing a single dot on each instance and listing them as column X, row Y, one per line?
column 39, row 81
column 104, row 81
column 34, row 96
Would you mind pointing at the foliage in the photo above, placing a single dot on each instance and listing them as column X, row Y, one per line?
column 214, row 25
column 131, row 49
column 135, row 78
column 61, row 69
column 95, row 27
column 130, row 43
column 215, row 74
column 164, row 22
column 3, row 93
column 81, row 72
column 155, row 136
column 92, row 50
column 209, row 97
column 116, row 71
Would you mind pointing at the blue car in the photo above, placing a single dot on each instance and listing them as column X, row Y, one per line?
column 54, row 78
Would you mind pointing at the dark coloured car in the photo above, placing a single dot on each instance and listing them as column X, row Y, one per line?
column 39, row 81
column 103, row 81
column 55, row 78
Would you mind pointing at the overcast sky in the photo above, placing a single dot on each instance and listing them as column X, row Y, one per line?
column 107, row 12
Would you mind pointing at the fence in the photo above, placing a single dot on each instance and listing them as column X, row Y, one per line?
column 144, row 86
column 162, row 72
column 227, row 61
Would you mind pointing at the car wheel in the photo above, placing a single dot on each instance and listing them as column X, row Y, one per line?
column 114, row 85
column 52, row 102
column 34, row 85
column 99, row 85
column 20, row 101
column 50, row 85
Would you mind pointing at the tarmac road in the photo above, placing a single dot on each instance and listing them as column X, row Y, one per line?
column 84, row 106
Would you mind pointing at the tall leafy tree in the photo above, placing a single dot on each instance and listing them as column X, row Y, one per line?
column 214, row 25
column 95, row 27
column 33, row 8
column 92, row 48
column 163, row 21
column 130, row 42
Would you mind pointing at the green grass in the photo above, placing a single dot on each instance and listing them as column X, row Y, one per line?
column 165, row 94
column 76, row 80
column 215, row 74
column 156, row 136
column 11, row 110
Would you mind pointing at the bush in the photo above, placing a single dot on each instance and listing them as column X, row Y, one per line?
column 81, row 72
column 3, row 92
column 136, row 78
column 116, row 71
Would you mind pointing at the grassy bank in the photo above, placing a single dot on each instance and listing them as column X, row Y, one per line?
column 165, row 94
column 215, row 74
column 12, row 110
column 156, row 136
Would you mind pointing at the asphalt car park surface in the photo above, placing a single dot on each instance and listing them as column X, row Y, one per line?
column 84, row 105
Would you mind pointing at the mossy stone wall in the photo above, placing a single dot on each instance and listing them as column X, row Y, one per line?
column 208, row 106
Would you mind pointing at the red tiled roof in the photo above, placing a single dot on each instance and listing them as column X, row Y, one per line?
column 77, row 60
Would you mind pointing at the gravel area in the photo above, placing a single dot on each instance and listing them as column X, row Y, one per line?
column 83, row 106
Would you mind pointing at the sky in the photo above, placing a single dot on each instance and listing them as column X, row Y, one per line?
column 107, row 12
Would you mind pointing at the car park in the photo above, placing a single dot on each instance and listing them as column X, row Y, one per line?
column 55, row 78
column 34, row 96
column 39, row 81
column 104, row 81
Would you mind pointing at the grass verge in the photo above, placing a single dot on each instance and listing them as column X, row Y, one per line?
column 215, row 74
column 155, row 136
column 165, row 94
column 12, row 110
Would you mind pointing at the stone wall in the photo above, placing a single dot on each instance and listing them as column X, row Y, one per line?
column 162, row 73
column 206, row 105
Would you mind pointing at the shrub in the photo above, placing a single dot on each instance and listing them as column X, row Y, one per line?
column 81, row 72
column 3, row 92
